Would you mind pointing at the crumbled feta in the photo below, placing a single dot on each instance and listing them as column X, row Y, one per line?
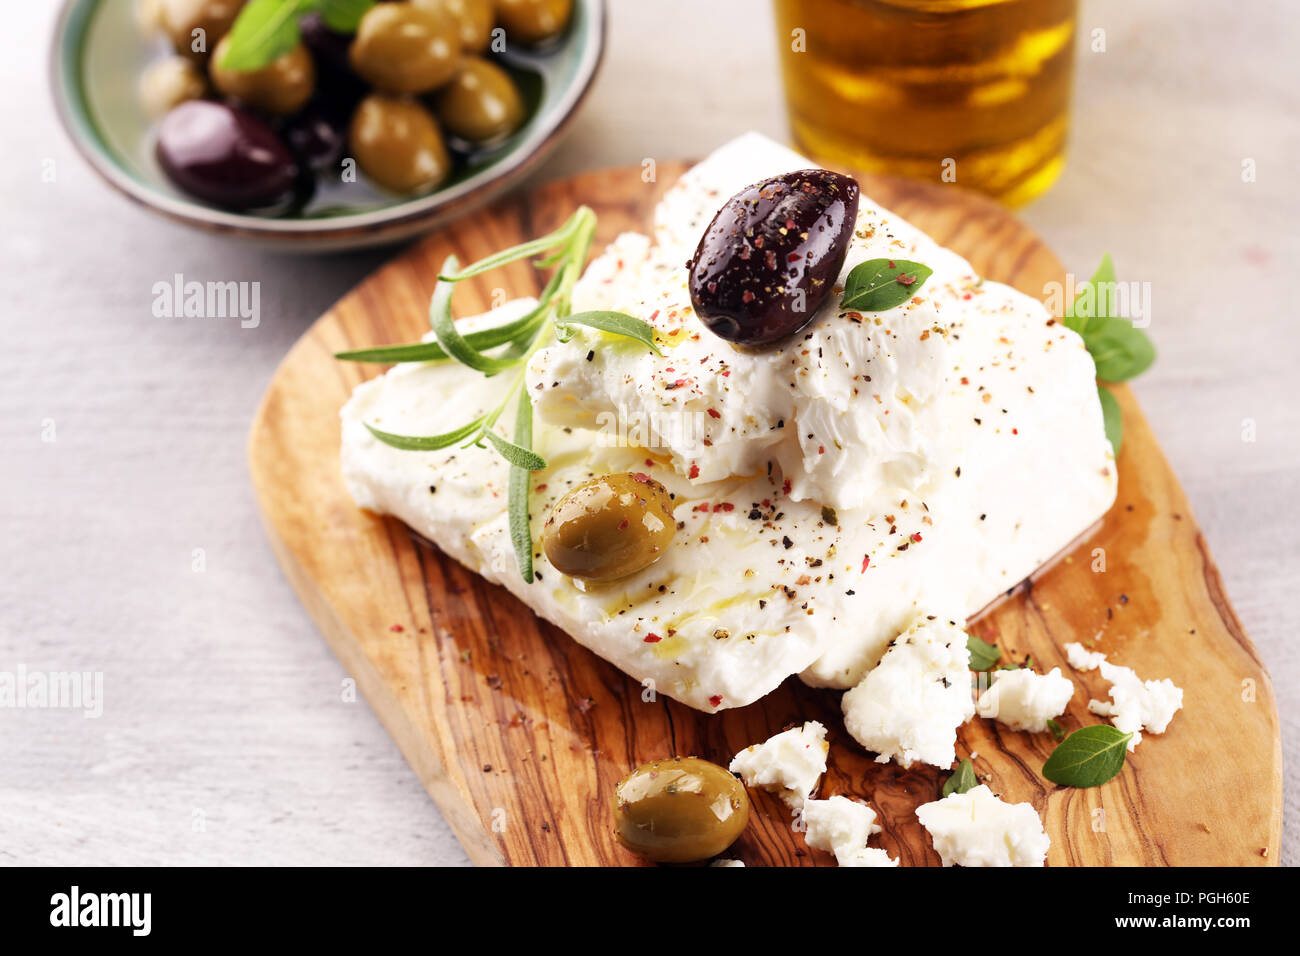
column 910, row 706
column 1082, row 659
column 1137, row 705
column 975, row 828
column 838, row 825
column 789, row 764
column 727, row 863
column 868, row 856
column 1024, row 700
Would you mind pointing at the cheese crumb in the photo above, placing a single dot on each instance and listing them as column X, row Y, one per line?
column 727, row 863
column 975, row 828
column 842, row 826
column 789, row 764
column 868, row 856
column 1137, row 705
column 1024, row 700
column 1082, row 659
column 909, row 707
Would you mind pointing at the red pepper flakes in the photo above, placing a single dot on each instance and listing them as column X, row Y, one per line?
column 649, row 463
column 724, row 506
column 642, row 477
column 821, row 449
column 714, row 413
column 891, row 264
column 397, row 629
column 694, row 472
column 623, row 525
column 541, row 487
column 715, row 700
column 652, row 639
column 1015, row 431
column 747, row 297
column 785, row 487
column 866, row 559
column 904, row 278
column 915, row 536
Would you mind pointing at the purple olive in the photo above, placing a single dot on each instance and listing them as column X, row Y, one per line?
column 334, row 75
column 316, row 135
column 772, row 254
column 225, row 156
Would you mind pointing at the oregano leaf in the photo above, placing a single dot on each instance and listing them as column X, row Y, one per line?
column 880, row 284
column 962, row 780
column 1088, row 757
column 983, row 655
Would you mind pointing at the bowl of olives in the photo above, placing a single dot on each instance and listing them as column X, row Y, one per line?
column 320, row 125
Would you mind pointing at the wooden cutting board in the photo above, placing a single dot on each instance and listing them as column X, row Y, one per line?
column 520, row 735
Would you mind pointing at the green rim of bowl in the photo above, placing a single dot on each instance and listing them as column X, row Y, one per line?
column 566, row 87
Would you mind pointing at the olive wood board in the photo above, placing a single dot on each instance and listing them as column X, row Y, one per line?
column 520, row 734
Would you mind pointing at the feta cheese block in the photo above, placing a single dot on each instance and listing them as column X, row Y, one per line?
column 909, row 707
column 1024, row 700
column 841, row 826
column 789, row 764
column 827, row 490
column 1135, row 705
column 975, row 828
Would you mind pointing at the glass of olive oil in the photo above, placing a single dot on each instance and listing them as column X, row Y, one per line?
column 975, row 92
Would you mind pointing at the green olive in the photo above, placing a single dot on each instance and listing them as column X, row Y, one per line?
column 397, row 143
column 195, row 26
column 281, row 87
column 609, row 527
column 473, row 20
column 481, row 103
column 400, row 48
column 533, row 22
column 170, row 82
column 680, row 810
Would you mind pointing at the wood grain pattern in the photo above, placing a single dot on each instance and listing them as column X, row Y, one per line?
column 520, row 735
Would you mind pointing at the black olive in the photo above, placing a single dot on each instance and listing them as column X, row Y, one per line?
column 225, row 156
column 771, row 255
column 317, row 135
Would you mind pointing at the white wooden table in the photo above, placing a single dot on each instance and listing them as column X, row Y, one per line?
column 225, row 735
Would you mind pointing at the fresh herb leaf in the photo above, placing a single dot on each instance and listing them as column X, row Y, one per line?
column 1120, row 350
column 517, row 455
column 617, row 323
column 521, row 532
column 1111, row 416
column 525, row 250
column 962, row 780
column 1080, row 313
column 880, row 284
column 264, row 31
column 343, row 16
column 430, row 443
column 450, row 339
column 983, row 655
column 1088, row 757
column 1058, row 732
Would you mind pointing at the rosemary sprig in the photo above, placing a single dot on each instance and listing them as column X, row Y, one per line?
column 552, row 318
